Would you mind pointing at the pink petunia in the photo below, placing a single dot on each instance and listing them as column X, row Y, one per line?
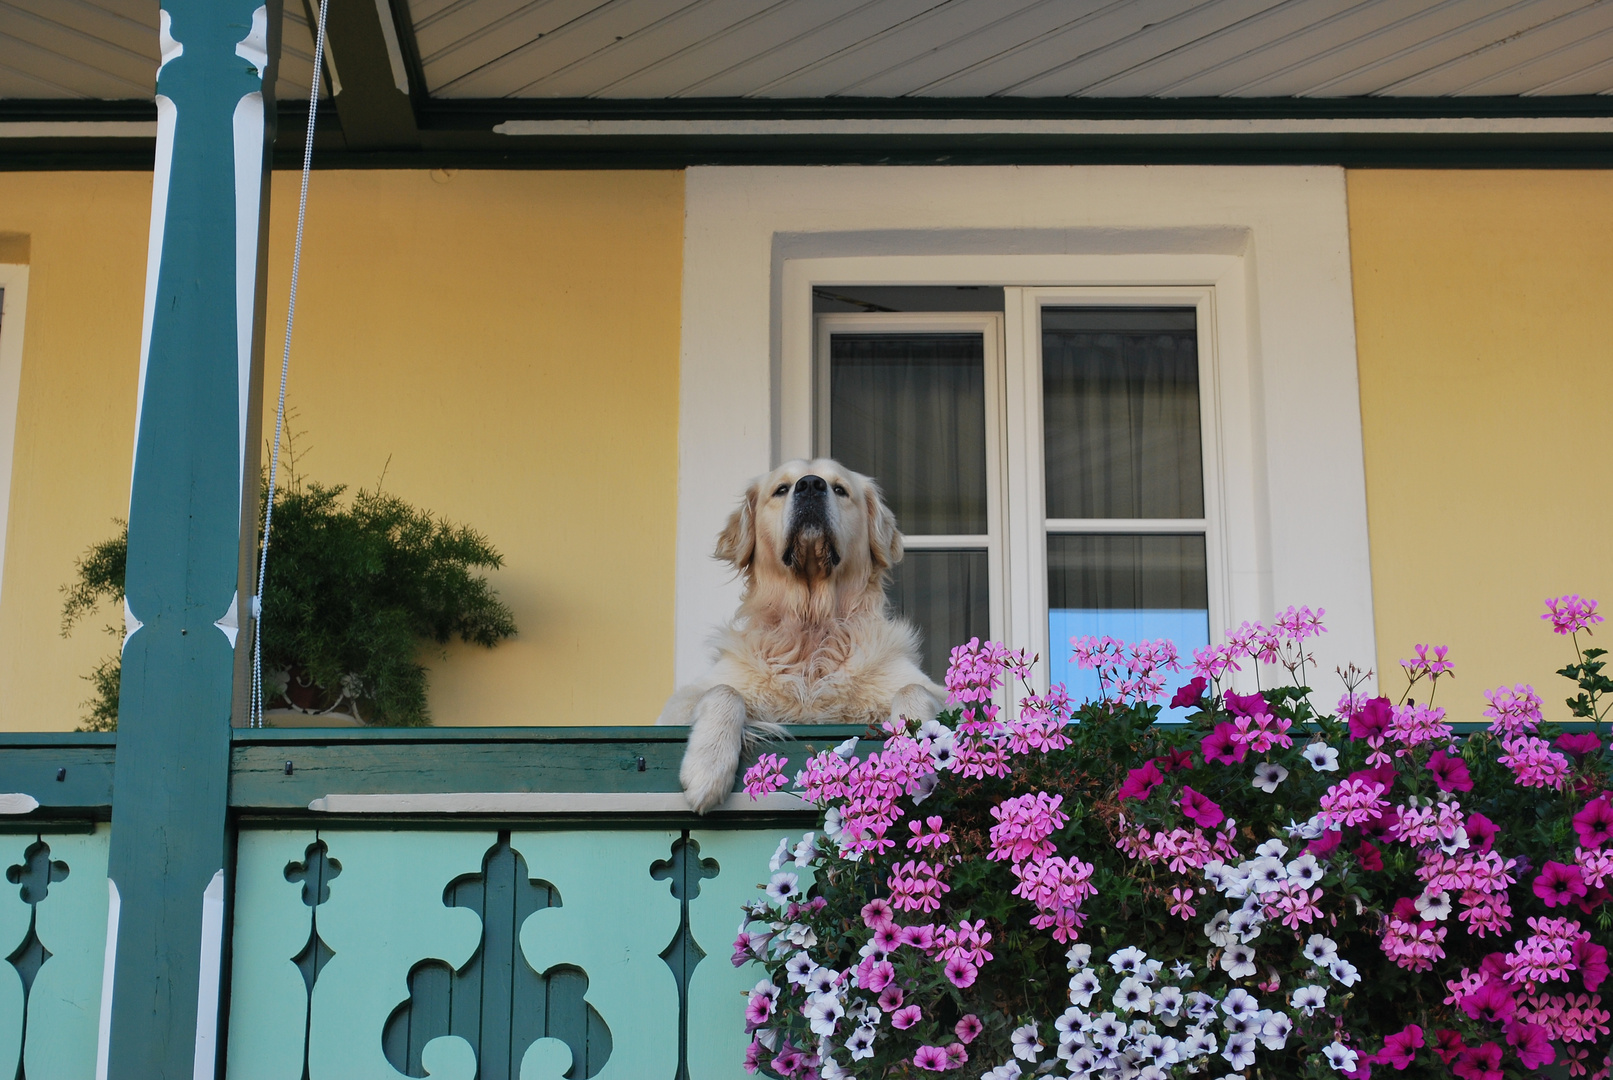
column 931, row 1058
column 1200, row 810
column 956, row 1055
column 1188, row 696
column 1450, row 772
column 1447, row 1044
column 1220, row 747
column 1493, row 1003
column 1579, row 745
column 1246, row 704
column 890, row 998
column 1400, row 1049
column 904, row 1018
column 1594, row 822
column 1372, row 720
column 1368, row 855
column 961, row 972
column 969, row 1028
column 1533, row 1044
column 1141, row 782
column 1479, row 1063
column 877, row 913
column 1559, row 883
column 1480, row 832
column 1173, row 760
column 1591, row 960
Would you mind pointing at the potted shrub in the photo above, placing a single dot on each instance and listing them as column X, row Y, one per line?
column 355, row 589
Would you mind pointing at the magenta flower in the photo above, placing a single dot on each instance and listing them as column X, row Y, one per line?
column 920, row 937
column 754, row 1053
column 1479, row 1063
column 1191, row 694
column 1594, row 822
column 1480, row 832
column 1533, row 1044
column 1400, row 1049
column 1200, row 810
column 766, row 776
column 1570, row 614
column 1141, row 782
column 932, row 1058
column 741, row 950
column 1450, row 772
column 1592, row 963
column 1173, row 760
column 962, row 973
column 890, row 999
column 1246, row 704
column 879, row 975
column 1371, row 859
column 1372, row 720
column 902, row 1019
column 956, row 1055
column 1325, row 843
column 1579, row 745
column 969, row 1028
column 1559, row 883
column 1493, row 1003
column 1220, row 747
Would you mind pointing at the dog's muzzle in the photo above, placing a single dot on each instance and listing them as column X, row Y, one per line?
column 808, row 541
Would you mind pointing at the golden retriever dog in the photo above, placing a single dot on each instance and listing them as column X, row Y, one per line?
column 813, row 641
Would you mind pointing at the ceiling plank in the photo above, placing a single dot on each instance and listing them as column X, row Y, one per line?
column 1472, row 70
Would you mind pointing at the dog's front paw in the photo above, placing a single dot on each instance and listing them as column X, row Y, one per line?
column 913, row 706
column 715, row 740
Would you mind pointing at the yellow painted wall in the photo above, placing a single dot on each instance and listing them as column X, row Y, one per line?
column 508, row 340
column 1485, row 334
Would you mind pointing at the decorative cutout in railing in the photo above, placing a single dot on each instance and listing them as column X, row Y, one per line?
column 53, row 932
column 474, row 955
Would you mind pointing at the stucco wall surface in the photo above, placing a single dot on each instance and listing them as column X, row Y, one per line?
column 1484, row 331
column 503, row 345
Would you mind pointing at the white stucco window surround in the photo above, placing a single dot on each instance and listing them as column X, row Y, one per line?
column 1261, row 253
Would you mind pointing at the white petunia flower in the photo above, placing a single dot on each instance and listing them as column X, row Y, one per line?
column 1107, row 1031
column 1309, row 998
column 861, row 1043
column 1240, row 1051
column 1219, row 930
column 1457, row 841
column 846, row 749
column 1245, row 923
column 781, row 856
column 1198, row 1043
column 1128, row 960
column 1133, row 996
column 1323, row 758
column 822, row 980
column 1344, row 972
column 807, row 850
column 1339, row 1056
column 1267, row 874
column 1026, row 1044
column 1240, row 1002
column 822, row 1011
column 1435, row 908
column 1071, row 1019
column 1182, row 969
column 832, row 828
column 1321, row 951
column 784, row 884
column 799, row 967
column 1078, row 956
column 1008, row 1070
column 1274, row 1033
column 801, row 936
column 830, row 1069
column 1268, row 774
column 1272, row 849
column 1200, row 1007
column 1168, row 1001
column 1082, row 986
column 1238, row 961
column 1305, row 870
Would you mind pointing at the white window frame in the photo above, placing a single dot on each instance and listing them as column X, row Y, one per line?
column 989, row 325
column 13, row 314
column 1271, row 242
column 1018, row 527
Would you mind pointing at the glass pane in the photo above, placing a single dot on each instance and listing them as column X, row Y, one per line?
column 947, row 596
column 910, row 411
column 1134, row 588
column 1120, row 392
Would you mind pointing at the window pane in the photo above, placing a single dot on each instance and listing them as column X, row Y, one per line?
column 947, row 596
column 910, row 411
column 1134, row 588
column 1120, row 392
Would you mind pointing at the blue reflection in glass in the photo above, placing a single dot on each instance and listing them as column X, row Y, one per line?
column 1189, row 628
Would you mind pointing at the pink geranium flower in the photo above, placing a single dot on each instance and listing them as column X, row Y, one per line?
column 1450, row 772
column 1570, row 614
column 1559, row 883
column 1200, row 810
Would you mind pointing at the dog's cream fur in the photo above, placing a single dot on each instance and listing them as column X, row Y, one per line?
column 812, row 642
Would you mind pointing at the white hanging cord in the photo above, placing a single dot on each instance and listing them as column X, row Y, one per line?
column 255, row 708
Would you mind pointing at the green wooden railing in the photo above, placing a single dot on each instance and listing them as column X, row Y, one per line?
column 488, row 903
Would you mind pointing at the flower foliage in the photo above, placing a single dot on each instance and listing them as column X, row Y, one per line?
column 1266, row 889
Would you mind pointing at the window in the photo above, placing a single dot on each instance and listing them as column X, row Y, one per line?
column 1109, row 497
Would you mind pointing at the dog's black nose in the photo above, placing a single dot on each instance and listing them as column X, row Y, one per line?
column 811, row 484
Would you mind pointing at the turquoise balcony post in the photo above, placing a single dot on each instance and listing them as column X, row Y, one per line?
column 192, row 496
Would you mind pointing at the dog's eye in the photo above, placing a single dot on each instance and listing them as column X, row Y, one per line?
column 840, row 490
column 782, row 489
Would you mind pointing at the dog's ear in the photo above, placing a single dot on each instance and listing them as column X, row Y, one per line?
column 736, row 544
column 884, row 539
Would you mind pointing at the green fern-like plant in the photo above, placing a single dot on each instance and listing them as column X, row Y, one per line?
column 356, row 588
